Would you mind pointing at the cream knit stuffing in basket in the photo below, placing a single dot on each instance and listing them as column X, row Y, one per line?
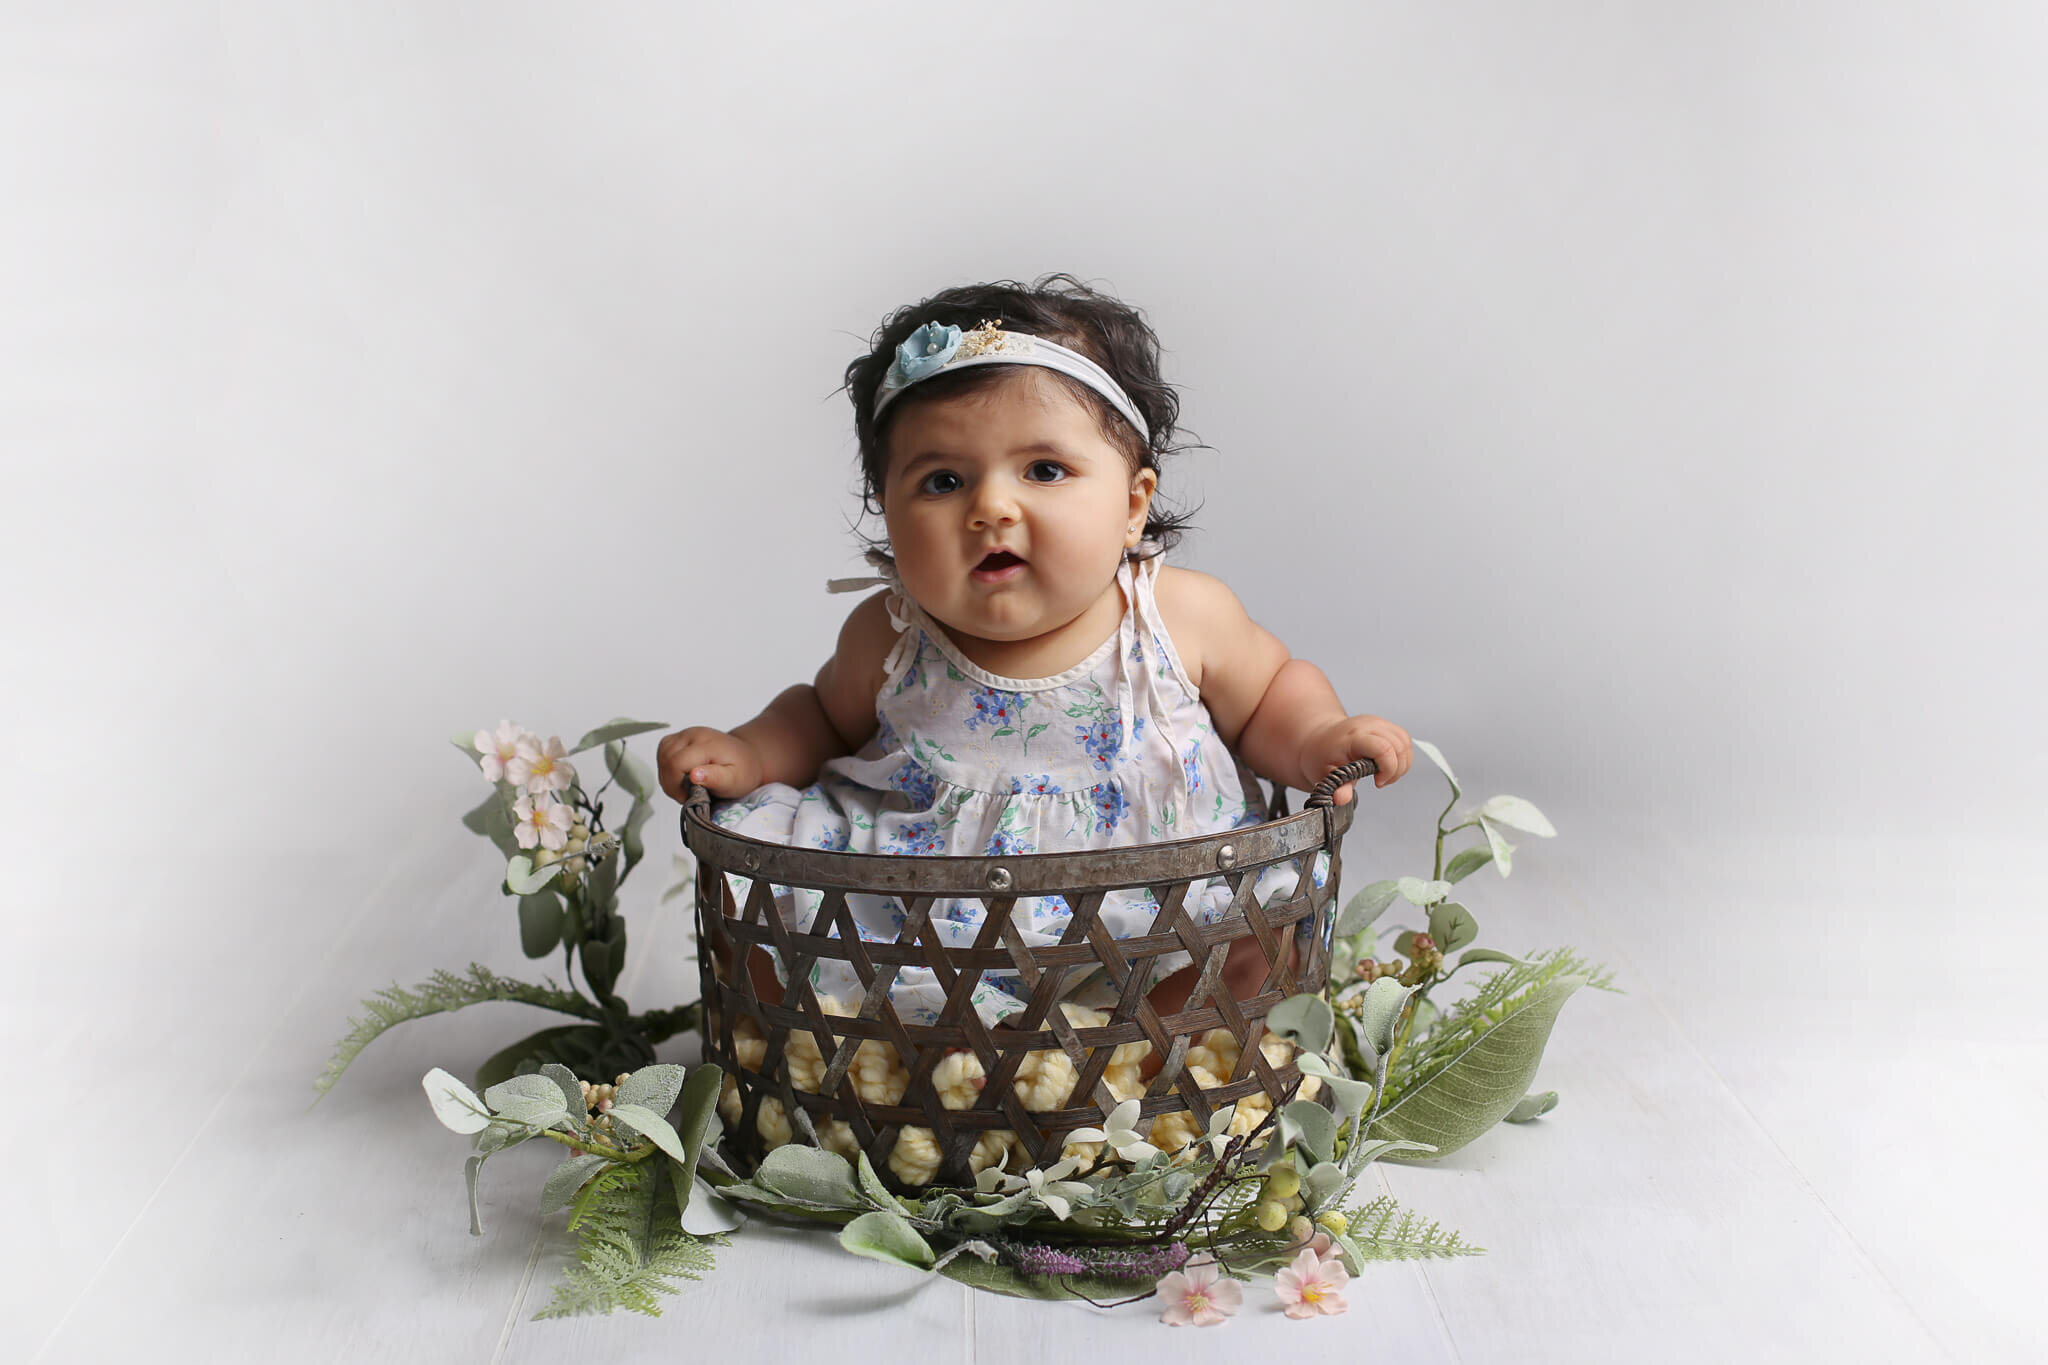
column 1045, row 1081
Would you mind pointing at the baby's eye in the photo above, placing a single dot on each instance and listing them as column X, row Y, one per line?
column 1058, row 471
column 931, row 482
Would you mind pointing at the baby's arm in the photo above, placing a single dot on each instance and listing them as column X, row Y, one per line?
column 1279, row 713
column 806, row 724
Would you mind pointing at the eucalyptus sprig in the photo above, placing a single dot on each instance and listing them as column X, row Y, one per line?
column 1475, row 1065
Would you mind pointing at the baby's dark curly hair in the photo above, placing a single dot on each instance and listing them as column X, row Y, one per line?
column 1059, row 308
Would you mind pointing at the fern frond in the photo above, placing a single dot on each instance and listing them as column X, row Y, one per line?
column 441, row 992
column 632, row 1246
column 1497, row 996
column 1381, row 1238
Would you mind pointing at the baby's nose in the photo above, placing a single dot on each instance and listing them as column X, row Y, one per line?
column 993, row 507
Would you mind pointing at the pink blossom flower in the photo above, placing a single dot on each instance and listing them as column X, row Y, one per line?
column 498, row 748
column 545, row 822
column 1312, row 1285
column 1199, row 1295
column 540, row 768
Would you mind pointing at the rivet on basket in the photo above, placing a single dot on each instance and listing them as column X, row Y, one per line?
column 999, row 878
column 1226, row 857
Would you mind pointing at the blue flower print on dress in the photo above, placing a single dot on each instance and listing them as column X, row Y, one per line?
column 918, row 838
column 1041, row 785
column 997, row 710
column 1004, row 842
column 925, row 352
column 1103, row 741
column 1111, row 805
column 832, row 840
column 917, row 782
column 885, row 734
column 1191, row 764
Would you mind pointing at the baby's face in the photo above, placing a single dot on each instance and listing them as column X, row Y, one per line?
column 1021, row 468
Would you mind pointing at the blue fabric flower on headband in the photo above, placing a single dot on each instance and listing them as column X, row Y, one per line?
column 925, row 351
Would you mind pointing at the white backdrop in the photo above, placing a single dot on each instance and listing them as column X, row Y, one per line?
column 1640, row 401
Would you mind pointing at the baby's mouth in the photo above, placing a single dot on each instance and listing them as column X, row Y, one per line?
column 1000, row 559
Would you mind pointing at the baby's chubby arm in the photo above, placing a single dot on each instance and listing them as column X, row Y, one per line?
column 1279, row 713
column 830, row 717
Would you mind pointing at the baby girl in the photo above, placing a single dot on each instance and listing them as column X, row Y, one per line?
column 1035, row 679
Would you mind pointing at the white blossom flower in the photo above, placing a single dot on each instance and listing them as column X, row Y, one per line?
column 1123, row 1136
column 498, row 748
column 1218, row 1136
column 540, row 768
column 1048, row 1187
column 544, row 821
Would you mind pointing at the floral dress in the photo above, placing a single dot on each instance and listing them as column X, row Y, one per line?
column 1115, row 751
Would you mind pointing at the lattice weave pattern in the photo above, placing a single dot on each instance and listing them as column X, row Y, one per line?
column 867, row 1079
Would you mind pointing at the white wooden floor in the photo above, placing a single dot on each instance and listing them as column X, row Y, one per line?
column 1806, row 1133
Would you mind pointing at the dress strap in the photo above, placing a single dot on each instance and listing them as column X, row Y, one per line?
column 901, row 614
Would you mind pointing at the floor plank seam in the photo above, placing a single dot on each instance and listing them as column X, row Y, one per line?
column 1649, row 995
column 396, row 867
column 1436, row 1308
column 512, row 1318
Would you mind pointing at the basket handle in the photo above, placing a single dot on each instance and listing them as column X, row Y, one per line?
column 1327, row 788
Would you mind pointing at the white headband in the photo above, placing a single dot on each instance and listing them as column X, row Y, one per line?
column 935, row 349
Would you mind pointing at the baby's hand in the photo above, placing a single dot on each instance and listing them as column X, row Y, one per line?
column 724, row 765
column 1339, row 742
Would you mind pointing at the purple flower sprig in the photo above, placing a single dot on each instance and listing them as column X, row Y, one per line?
column 1109, row 1263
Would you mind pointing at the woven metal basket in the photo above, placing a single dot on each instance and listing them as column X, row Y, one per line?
column 728, row 932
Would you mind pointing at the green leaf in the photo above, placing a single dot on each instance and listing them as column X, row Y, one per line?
column 572, row 1093
column 616, row 729
column 1380, row 1012
column 1404, row 943
column 1503, row 851
column 885, row 1236
column 465, row 740
column 1436, row 757
column 1533, row 1106
column 492, row 818
column 707, row 1213
column 455, row 1104
column 1304, row 1020
column 1452, row 926
column 540, row 922
column 1467, row 862
column 1365, row 907
column 574, row 1045
column 695, row 1123
column 601, row 886
column 532, row 1100
column 1478, row 955
column 476, row 1213
column 567, row 1178
column 644, row 1122
column 808, row 1175
column 1416, row 891
column 652, row 1087
column 632, row 843
column 1516, row 813
column 1316, row 1126
column 596, row 956
column 1324, row 1182
column 636, row 777
column 1480, row 1085
column 520, row 878
column 1351, row 1095
column 871, row 1184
